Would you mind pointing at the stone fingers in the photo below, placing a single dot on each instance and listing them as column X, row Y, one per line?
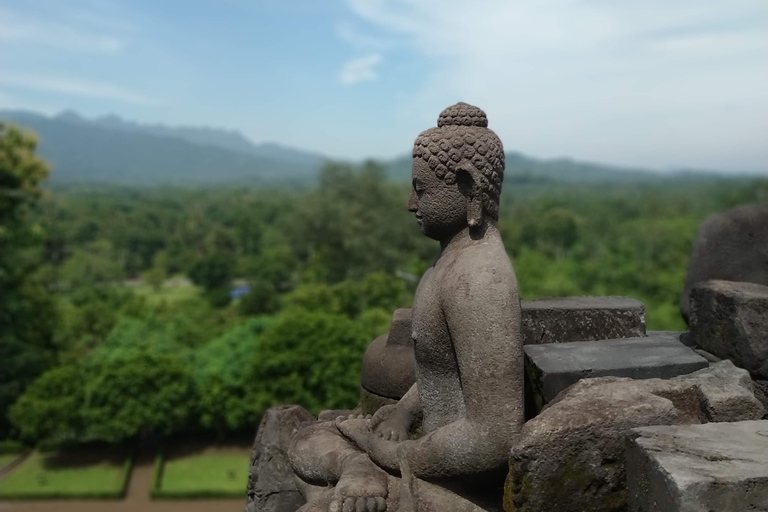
column 335, row 506
column 349, row 505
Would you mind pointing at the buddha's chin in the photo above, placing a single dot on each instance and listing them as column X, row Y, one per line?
column 435, row 233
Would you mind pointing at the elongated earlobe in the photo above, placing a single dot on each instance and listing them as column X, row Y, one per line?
column 475, row 207
column 466, row 177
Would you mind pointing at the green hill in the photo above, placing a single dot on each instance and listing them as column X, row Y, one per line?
column 112, row 151
column 96, row 152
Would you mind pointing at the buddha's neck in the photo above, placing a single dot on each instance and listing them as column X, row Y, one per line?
column 468, row 236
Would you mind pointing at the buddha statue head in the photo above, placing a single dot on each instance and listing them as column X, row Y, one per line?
column 458, row 168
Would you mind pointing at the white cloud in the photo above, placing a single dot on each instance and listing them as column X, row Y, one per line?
column 73, row 32
column 75, row 87
column 360, row 40
column 360, row 69
column 649, row 83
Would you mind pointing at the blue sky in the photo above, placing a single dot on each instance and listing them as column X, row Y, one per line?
column 647, row 83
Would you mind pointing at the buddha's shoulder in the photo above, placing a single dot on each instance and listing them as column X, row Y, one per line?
column 482, row 260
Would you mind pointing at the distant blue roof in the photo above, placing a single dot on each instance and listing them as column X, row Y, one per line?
column 236, row 293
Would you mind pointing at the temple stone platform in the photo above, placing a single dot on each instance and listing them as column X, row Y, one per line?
column 692, row 468
column 567, row 319
column 553, row 367
column 388, row 365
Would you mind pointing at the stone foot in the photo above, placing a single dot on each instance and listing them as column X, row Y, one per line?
column 355, row 429
column 361, row 488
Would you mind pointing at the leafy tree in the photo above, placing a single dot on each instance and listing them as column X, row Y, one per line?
column 50, row 408
column 261, row 299
column 27, row 314
column 157, row 275
column 212, row 272
column 137, row 393
column 221, row 375
column 95, row 264
column 310, row 358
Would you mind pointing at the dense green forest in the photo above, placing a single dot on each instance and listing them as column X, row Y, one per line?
column 126, row 312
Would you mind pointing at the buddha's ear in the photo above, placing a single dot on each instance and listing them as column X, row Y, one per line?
column 469, row 185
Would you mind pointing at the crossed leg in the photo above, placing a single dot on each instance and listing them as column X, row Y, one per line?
column 322, row 457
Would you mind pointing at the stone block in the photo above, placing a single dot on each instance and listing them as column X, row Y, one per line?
column 568, row 319
column 730, row 320
column 271, row 486
column 691, row 468
column 552, row 367
column 570, row 458
column 730, row 246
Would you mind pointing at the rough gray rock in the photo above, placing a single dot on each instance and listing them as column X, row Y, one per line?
column 582, row 319
column 570, row 458
column 761, row 393
column 730, row 320
column 717, row 466
column 731, row 246
column 271, row 486
column 552, row 367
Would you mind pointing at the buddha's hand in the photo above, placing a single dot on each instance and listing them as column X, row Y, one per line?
column 391, row 423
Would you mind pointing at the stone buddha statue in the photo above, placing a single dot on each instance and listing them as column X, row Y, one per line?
column 444, row 445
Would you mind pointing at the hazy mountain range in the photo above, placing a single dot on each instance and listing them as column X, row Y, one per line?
column 110, row 150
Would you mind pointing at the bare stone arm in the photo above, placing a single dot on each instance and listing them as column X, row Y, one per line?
column 482, row 309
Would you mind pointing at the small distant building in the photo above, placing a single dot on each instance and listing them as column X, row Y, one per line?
column 239, row 291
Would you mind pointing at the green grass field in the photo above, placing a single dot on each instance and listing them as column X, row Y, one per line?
column 217, row 475
column 7, row 459
column 56, row 476
column 173, row 290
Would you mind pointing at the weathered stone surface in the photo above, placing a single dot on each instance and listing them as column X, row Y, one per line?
column 552, row 367
column 388, row 365
column 716, row 466
column 571, row 456
column 568, row 319
column 332, row 414
column 731, row 246
column 761, row 393
column 730, row 320
column 370, row 402
column 271, row 486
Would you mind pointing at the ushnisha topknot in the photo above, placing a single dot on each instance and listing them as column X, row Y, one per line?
column 462, row 114
column 462, row 136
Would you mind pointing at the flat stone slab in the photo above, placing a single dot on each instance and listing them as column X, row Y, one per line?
column 551, row 368
column 730, row 320
column 567, row 319
column 571, row 457
column 687, row 468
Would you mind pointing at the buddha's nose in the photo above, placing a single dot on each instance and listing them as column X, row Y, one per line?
column 413, row 204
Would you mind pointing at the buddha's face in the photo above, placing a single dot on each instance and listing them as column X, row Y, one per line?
column 440, row 208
